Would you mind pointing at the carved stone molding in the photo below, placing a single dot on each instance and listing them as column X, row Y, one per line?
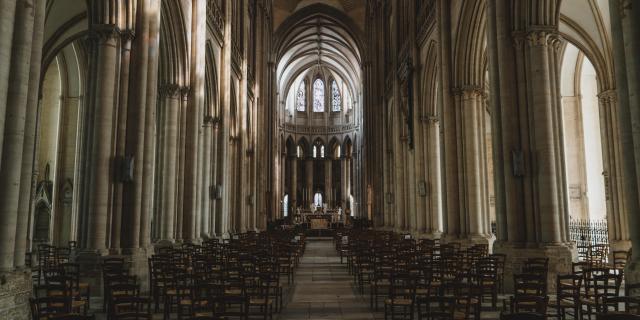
column 185, row 91
column 169, row 90
column 468, row 92
column 320, row 130
column 433, row 119
column 609, row 96
column 103, row 32
column 215, row 20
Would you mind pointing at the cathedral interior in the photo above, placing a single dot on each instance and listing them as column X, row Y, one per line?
column 319, row 159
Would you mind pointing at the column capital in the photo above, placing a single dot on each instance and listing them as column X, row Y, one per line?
column 468, row 91
column 608, row 96
column 169, row 90
column 101, row 32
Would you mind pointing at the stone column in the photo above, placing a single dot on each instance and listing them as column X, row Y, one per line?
column 7, row 19
column 149, row 149
column 343, row 183
column 170, row 96
column 535, row 201
column 328, row 169
column 206, row 228
column 612, row 155
column 120, row 143
column 16, row 105
column 309, row 181
column 474, row 223
column 102, row 106
column 135, row 142
column 434, row 190
column 28, row 149
column 626, row 46
column 294, row 183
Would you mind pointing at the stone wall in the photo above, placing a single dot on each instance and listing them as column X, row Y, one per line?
column 15, row 290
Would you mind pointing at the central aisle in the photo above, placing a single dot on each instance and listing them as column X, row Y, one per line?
column 324, row 289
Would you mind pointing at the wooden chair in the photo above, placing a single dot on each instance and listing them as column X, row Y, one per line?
column 401, row 299
column 522, row 316
column 567, row 296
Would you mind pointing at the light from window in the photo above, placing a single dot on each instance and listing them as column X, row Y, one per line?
column 335, row 97
column 299, row 152
column 315, row 152
column 338, row 155
column 321, row 151
column 285, row 205
column 301, row 97
column 318, row 95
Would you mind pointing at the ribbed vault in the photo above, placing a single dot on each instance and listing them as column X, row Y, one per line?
column 318, row 35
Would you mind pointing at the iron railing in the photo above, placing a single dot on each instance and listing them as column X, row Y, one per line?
column 587, row 233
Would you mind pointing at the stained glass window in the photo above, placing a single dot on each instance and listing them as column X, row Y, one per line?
column 318, row 95
column 301, row 97
column 336, row 100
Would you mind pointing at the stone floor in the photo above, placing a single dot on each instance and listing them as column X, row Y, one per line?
column 323, row 288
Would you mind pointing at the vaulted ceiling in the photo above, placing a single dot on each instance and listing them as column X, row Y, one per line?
column 355, row 9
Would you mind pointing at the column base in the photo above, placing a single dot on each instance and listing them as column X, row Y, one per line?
column 15, row 290
column 470, row 240
column 632, row 272
column 619, row 245
column 560, row 259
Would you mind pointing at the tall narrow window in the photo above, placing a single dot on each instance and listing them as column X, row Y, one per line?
column 321, row 151
column 336, row 100
column 318, row 95
column 299, row 152
column 347, row 100
column 301, row 97
column 315, row 152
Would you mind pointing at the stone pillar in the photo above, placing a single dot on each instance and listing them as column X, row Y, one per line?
column 534, row 202
column 28, row 149
column 206, row 220
column 120, row 143
column 135, row 142
column 328, row 169
column 474, row 219
column 13, row 142
column 170, row 101
column 294, row 183
column 102, row 106
column 434, row 190
column 343, row 183
column 626, row 46
column 612, row 154
column 149, row 150
column 309, row 181
column 7, row 19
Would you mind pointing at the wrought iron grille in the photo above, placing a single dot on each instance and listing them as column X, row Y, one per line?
column 589, row 232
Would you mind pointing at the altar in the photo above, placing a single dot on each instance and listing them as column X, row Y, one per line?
column 321, row 219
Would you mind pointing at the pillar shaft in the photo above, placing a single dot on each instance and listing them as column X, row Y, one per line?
column 149, row 161
column 170, row 95
column 294, row 183
column 102, row 105
column 29, row 136
column 309, row 181
column 13, row 142
column 328, row 170
column 7, row 19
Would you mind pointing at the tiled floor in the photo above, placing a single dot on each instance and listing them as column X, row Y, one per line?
column 324, row 289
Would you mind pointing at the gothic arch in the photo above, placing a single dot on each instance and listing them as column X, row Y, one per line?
column 470, row 45
column 174, row 66
column 212, row 98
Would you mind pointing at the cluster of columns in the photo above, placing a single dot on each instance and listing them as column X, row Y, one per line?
column 21, row 40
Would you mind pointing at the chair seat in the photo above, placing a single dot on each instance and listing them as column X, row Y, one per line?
column 398, row 302
column 83, row 285
column 260, row 301
column 465, row 301
column 189, row 302
column 233, row 292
